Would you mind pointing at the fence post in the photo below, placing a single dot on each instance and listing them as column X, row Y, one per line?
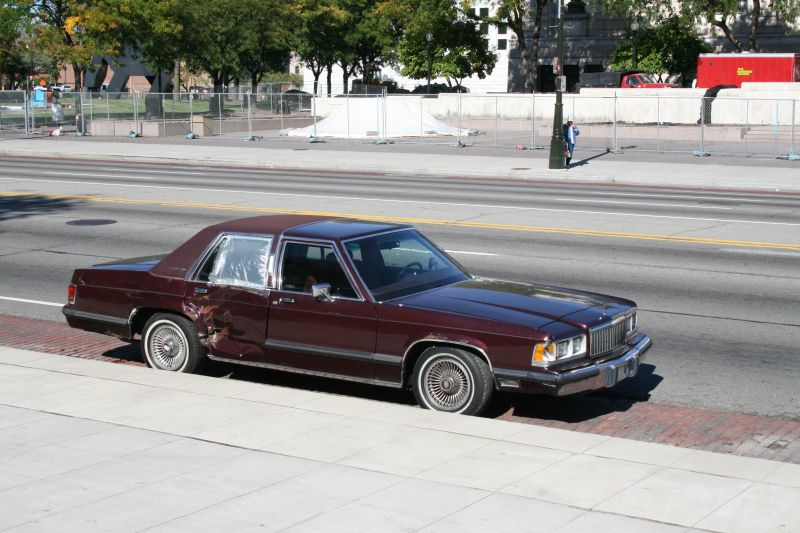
column 614, row 145
column 385, row 113
column 793, row 156
column 746, row 127
column 347, row 108
column 378, row 119
column 533, row 121
column 314, row 113
column 496, row 112
column 658, row 124
column 25, row 103
column 459, row 118
column 108, row 111
column 249, row 118
column 421, row 127
column 191, row 115
column 221, row 100
column 702, row 152
column 135, row 114
column 775, row 131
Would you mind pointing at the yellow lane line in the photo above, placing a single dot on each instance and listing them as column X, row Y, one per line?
column 417, row 220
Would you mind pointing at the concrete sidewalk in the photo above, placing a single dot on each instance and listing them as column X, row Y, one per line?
column 419, row 160
column 92, row 446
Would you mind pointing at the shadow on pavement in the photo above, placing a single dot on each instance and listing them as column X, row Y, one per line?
column 27, row 205
column 567, row 409
column 580, row 407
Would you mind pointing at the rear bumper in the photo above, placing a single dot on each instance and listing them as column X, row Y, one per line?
column 593, row 377
column 105, row 324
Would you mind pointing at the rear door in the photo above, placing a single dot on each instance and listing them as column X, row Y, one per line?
column 335, row 336
column 229, row 291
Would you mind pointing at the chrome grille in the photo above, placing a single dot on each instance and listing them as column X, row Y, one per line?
column 606, row 337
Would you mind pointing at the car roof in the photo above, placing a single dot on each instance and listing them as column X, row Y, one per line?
column 306, row 226
column 178, row 263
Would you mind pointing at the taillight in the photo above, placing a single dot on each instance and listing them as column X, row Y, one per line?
column 71, row 294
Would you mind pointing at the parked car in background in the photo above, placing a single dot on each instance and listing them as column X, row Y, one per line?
column 630, row 79
column 61, row 88
column 361, row 301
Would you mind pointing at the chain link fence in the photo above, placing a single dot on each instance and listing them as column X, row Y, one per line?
column 755, row 127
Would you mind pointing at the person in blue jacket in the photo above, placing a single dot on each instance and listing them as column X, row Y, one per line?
column 571, row 133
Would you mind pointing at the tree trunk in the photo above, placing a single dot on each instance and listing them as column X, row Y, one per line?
column 729, row 34
column 78, row 73
column 751, row 38
column 316, row 81
column 532, row 73
column 329, row 72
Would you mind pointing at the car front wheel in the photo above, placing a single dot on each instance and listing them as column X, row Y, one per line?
column 452, row 380
column 170, row 342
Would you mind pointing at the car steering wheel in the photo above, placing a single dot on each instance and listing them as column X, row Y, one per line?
column 415, row 267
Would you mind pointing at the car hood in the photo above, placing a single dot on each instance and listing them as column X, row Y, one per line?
column 521, row 304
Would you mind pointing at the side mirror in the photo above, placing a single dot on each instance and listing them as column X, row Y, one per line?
column 321, row 292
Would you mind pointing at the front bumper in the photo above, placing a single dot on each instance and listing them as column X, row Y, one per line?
column 593, row 377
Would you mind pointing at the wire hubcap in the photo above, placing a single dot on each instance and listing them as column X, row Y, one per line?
column 167, row 346
column 448, row 385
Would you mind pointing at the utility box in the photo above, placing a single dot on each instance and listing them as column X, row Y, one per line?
column 735, row 69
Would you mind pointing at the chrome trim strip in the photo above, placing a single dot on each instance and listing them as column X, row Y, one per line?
column 106, row 319
column 525, row 375
column 344, row 377
column 301, row 240
column 313, row 349
column 387, row 359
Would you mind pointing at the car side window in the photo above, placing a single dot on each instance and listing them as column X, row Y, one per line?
column 305, row 265
column 241, row 260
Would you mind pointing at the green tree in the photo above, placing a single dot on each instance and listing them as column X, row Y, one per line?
column 12, row 24
column 317, row 27
column 266, row 40
column 720, row 14
column 72, row 31
column 517, row 14
column 670, row 47
column 457, row 49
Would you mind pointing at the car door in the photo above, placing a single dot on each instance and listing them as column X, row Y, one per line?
column 333, row 335
column 229, row 292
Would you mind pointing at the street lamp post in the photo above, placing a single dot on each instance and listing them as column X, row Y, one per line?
column 634, row 59
column 429, row 37
column 557, row 140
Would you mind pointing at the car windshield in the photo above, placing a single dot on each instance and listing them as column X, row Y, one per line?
column 401, row 263
column 647, row 78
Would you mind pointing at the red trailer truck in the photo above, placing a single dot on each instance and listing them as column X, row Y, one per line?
column 733, row 69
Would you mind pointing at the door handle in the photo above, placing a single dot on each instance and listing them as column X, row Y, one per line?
column 286, row 300
column 201, row 291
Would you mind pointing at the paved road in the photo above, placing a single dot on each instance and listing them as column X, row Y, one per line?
column 715, row 275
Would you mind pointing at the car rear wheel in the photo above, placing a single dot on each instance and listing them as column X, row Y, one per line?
column 170, row 342
column 452, row 380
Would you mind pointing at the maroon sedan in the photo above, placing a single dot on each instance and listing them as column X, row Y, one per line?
column 361, row 301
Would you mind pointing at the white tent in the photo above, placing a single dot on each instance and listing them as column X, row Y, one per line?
column 378, row 118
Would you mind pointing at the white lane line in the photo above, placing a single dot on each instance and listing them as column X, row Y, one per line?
column 685, row 197
column 149, row 171
column 693, row 206
column 470, row 253
column 759, row 252
column 27, row 301
column 56, row 173
column 554, row 199
column 513, row 208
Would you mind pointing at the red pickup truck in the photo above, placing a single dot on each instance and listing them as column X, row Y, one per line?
column 629, row 79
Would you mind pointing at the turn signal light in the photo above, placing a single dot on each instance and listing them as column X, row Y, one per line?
column 71, row 294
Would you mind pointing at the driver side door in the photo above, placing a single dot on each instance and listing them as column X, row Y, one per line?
column 333, row 336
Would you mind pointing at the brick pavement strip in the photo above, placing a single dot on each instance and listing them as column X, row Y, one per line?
column 702, row 429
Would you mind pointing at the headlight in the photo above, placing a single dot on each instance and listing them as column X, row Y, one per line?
column 547, row 352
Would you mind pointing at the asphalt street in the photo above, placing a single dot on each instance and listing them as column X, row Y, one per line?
column 715, row 275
